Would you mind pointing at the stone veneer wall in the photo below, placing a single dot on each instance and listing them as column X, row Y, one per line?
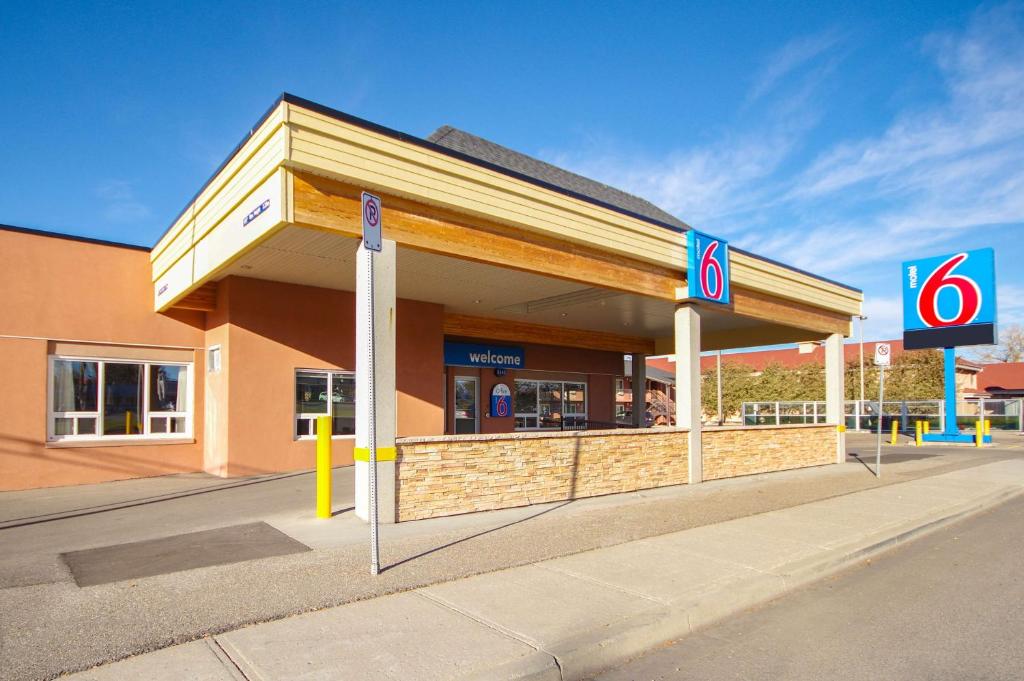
column 445, row 475
column 733, row 451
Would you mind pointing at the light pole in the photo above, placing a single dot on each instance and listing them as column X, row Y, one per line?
column 860, row 406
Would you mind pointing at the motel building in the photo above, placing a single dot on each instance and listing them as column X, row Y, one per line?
column 217, row 349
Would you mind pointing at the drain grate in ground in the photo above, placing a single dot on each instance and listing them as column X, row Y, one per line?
column 180, row 552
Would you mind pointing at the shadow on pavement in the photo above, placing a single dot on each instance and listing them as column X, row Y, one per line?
column 170, row 496
column 478, row 534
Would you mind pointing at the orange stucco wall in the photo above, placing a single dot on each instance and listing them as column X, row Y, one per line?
column 272, row 329
column 61, row 289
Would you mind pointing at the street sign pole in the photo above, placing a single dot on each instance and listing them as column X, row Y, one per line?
column 883, row 359
column 372, row 429
column 881, row 410
column 372, row 235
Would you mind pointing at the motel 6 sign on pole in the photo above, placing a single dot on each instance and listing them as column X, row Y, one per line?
column 950, row 301
column 707, row 267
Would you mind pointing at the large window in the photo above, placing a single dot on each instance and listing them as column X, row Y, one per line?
column 325, row 393
column 118, row 399
column 543, row 405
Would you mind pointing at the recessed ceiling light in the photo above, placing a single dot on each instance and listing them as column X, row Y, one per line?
column 477, row 301
column 565, row 314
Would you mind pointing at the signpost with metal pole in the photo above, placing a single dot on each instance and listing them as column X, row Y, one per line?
column 883, row 359
column 372, row 238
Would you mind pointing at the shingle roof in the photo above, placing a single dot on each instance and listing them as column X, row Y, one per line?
column 489, row 152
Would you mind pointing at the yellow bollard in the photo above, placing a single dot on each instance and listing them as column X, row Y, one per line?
column 988, row 427
column 323, row 467
column 895, row 433
column 979, row 433
column 927, row 427
column 918, row 432
column 127, row 423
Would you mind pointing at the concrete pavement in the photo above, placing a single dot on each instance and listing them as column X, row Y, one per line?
column 571, row 617
column 946, row 607
column 44, row 610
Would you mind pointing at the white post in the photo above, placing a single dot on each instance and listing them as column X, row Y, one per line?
column 688, row 407
column 834, row 374
column 383, row 376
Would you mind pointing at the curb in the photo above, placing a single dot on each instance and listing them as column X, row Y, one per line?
column 587, row 654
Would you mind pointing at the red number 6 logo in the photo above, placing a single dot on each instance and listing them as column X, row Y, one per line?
column 967, row 290
column 709, row 262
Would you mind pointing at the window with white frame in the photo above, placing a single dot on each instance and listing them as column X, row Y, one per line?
column 543, row 405
column 325, row 393
column 118, row 399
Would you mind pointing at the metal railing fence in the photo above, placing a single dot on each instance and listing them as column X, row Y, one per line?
column 1003, row 414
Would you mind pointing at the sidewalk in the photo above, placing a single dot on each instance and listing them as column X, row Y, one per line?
column 569, row 617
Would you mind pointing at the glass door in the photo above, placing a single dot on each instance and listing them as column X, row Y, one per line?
column 466, row 413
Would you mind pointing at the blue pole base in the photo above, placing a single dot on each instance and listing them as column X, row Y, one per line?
column 954, row 437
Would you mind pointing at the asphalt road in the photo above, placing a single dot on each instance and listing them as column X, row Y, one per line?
column 947, row 606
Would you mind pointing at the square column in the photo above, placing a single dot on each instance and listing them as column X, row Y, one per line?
column 835, row 390
column 688, row 407
column 639, row 385
column 381, row 276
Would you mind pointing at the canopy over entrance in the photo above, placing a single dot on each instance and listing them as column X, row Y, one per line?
column 509, row 255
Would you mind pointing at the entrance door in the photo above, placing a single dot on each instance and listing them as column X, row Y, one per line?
column 466, row 413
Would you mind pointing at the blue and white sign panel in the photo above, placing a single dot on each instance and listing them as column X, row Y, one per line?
column 486, row 356
column 950, row 300
column 501, row 401
column 707, row 267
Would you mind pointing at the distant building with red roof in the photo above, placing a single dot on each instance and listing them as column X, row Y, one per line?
column 1003, row 379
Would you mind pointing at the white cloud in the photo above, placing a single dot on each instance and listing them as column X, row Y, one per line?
column 884, row 318
column 793, row 55
column 936, row 175
column 121, row 206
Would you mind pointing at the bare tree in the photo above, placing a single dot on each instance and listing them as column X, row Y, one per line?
column 1010, row 348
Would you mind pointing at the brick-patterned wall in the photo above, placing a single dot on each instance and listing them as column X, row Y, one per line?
column 439, row 476
column 733, row 451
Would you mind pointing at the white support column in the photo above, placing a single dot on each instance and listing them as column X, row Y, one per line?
column 384, row 379
column 835, row 370
column 638, row 382
column 687, row 341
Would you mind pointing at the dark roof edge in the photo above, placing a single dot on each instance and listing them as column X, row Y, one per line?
column 405, row 137
column 419, row 141
column 234, row 152
column 73, row 237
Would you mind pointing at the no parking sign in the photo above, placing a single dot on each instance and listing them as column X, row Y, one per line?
column 501, row 400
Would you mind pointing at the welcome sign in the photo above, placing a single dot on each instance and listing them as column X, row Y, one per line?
column 484, row 356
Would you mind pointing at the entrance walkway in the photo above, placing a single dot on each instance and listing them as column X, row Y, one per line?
column 45, row 610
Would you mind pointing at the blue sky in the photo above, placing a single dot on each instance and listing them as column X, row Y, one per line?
column 837, row 137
